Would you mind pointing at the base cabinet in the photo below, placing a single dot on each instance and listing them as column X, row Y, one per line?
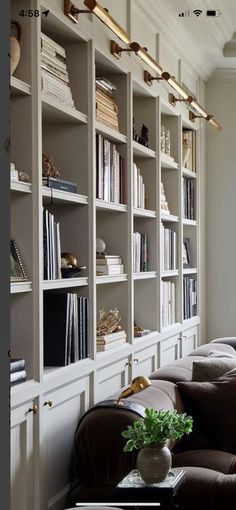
column 62, row 409
column 188, row 341
column 22, row 457
column 145, row 361
column 169, row 350
column 111, row 378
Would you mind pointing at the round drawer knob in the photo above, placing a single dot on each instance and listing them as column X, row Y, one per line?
column 48, row 403
column 33, row 409
column 136, row 360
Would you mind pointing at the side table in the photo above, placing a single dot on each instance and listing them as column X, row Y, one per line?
column 132, row 489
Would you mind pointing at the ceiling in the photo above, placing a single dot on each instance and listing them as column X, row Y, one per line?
column 201, row 40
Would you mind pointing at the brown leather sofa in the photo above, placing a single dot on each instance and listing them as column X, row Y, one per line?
column 99, row 463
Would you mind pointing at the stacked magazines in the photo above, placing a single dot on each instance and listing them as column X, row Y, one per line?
column 55, row 79
column 109, row 265
column 111, row 340
column 17, row 371
column 106, row 109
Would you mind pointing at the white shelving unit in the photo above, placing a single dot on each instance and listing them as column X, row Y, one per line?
column 63, row 394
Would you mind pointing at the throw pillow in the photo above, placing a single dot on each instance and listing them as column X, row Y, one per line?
column 210, row 369
column 213, row 407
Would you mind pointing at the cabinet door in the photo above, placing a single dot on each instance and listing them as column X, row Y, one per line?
column 62, row 410
column 111, row 378
column 189, row 341
column 145, row 361
column 22, row 458
column 169, row 350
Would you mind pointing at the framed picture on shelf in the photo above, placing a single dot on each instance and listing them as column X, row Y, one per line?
column 187, row 253
column 18, row 273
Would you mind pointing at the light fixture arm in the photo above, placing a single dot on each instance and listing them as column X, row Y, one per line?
column 116, row 50
column 148, row 78
column 174, row 100
column 192, row 117
column 72, row 11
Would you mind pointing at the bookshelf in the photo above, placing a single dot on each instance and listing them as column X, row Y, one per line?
column 69, row 136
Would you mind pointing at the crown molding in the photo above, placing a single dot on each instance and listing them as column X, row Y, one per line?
column 223, row 74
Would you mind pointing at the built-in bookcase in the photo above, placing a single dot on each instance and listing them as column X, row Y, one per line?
column 41, row 125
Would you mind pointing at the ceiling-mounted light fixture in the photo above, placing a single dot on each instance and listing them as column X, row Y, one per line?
column 107, row 19
column 208, row 118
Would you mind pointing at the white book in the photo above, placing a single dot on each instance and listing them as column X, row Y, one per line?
column 110, row 270
column 111, row 337
column 109, row 262
column 58, row 251
column 111, row 345
column 51, row 43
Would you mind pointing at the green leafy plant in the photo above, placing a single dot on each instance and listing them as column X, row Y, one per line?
column 155, row 428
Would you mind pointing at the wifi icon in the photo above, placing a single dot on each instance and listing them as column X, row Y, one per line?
column 197, row 12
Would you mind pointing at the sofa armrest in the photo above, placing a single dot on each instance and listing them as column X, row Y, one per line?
column 229, row 340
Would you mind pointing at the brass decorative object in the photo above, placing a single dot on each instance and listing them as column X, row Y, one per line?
column 108, row 322
column 138, row 384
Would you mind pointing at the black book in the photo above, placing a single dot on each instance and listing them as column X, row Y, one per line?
column 56, row 328
column 17, row 364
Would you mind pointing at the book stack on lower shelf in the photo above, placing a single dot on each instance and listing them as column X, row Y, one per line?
column 138, row 188
column 111, row 340
column 17, row 371
column 168, row 249
column 109, row 265
column 190, row 297
column 167, row 303
column 65, row 329
column 55, row 79
column 163, row 201
column 140, row 252
column 110, row 169
column 51, row 247
column 106, row 108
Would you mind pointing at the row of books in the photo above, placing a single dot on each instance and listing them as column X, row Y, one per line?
column 168, row 249
column 54, row 74
column 190, row 297
column 109, row 265
column 140, row 252
column 189, row 199
column 17, row 371
column 138, row 188
column 110, row 172
column 65, row 328
column 189, row 141
column 107, row 342
column 51, row 247
column 167, row 303
column 106, row 108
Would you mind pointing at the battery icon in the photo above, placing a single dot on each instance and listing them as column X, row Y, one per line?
column 215, row 12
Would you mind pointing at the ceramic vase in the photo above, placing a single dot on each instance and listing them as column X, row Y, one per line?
column 154, row 463
column 15, row 45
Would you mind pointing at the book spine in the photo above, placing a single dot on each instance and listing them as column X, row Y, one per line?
column 47, row 42
column 17, row 365
column 49, row 58
column 17, row 377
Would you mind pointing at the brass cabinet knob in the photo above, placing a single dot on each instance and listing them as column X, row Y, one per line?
column 33, row 409
column 184, row 337
column 48, row 403
column 136, row 360
column 128, row 364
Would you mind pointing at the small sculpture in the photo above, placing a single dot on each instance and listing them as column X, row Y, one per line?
column 68, row 260
column 23, row 176
column 143, row 139
column 135, row 134
column 49, row 170
column 108, row 322
column 100, row 246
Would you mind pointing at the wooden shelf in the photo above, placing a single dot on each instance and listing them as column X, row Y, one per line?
column 189, row 173
column 19, row 87
column 171, row 218
column 21, row 287
column 167, row 162
column 140, row 151
column 54, row 111
column 144, row 275
column 20, row 186
column 144, row 213
column 111, row 279
column 166, row 274
column 65, row 283
column 191, row 223
column 110, row 206
column 59, row 196
column 110, row 134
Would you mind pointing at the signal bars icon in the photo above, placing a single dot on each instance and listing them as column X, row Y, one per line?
column 185, row 13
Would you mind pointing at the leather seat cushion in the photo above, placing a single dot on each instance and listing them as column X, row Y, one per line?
column 223, row 462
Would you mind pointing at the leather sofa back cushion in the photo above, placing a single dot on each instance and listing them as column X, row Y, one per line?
column 209, row 369
column 213, row 408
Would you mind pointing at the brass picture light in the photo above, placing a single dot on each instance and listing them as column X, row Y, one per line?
column 138, row 384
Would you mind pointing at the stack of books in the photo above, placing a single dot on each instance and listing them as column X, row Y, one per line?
column 51, row 247
column 189, row 199
column 190, row 297
column 106, row 108
column 65, row 329
column 189, row 140
column 167, row 303
column 17, row 371
column 164, row 203
column 165, row 140
column 55, row 79
column 168, row 249
column 140, row 252
column 111, row 340
column 138, row 188
column 110, row 172
column 109, row 265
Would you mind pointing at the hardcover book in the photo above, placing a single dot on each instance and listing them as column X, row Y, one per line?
column 60, row 184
